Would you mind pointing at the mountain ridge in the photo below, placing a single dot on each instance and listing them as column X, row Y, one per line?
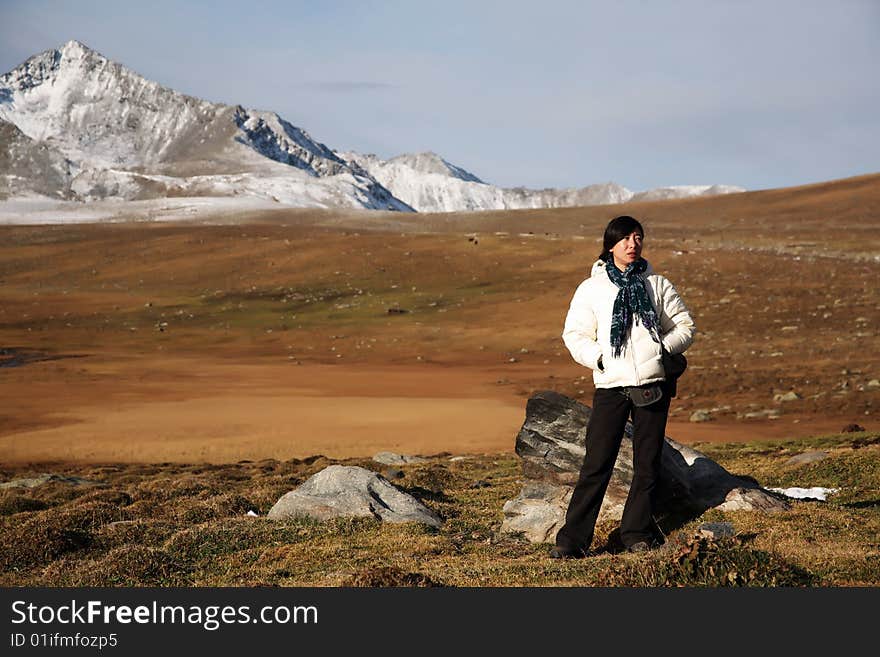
column 131, row 138
column 89, row 128
column 418, row 180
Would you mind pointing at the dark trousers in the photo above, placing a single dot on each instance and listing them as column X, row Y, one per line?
column 611, row 410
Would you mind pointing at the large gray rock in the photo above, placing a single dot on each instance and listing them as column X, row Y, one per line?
column 340, row 490
column 551, row 445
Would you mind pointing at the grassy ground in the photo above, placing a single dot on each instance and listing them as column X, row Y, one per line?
column 187, row 525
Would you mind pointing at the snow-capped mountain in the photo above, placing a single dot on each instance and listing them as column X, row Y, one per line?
column 431, row 184
column 684, row 191
column 75, row 125
column 127, row 137
column 428, row 183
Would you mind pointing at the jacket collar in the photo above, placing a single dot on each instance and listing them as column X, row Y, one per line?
column 599, row 268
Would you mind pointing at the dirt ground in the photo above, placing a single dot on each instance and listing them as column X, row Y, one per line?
column 300, row 333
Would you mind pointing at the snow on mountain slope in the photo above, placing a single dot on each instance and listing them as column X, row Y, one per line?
column 430, row 162
column 96, row 111
column 685, row 191
column 429, row 183
column 76, row 125
column 117, row 129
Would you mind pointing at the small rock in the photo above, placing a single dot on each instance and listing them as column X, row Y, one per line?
column 393, row 473
column 874, row 383
column 789, row 396
column 749, row 499
column 40, row 479
column 806, row 457
column 390, row 458
column 852, row 428
column 121, row 523
column 700, row 416
column 714, row 530
column 770, row 413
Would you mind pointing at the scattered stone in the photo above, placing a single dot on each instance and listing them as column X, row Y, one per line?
column 538, row 512
column 807, row 457
column 789, row 396
column 345, row 491
column 397, row 311
column 852, row 428
column 122, row 523
column 874, row 383
column 45, row 478
column 551, row 446
column 700, row 415
column 751, row 499
column 390, row 458
column 393, row 473
column 769, row 413
column 715, row 530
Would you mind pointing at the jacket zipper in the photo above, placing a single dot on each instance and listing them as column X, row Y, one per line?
column 632, row 354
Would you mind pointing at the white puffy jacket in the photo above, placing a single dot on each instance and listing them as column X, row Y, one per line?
column 587, row 332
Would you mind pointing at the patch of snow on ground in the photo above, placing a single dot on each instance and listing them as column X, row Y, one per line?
column 41, row 210
column 814, row 493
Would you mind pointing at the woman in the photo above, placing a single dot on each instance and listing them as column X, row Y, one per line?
column 619, row 322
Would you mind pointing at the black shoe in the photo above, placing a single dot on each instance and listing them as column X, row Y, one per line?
column 641, row 546
column 565, row 553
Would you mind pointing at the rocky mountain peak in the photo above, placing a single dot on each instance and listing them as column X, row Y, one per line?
column 75, row 50
column 430, row 162
column 111, row 133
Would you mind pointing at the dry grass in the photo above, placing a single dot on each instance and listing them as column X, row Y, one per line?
column 178, row 525
column 102, row 317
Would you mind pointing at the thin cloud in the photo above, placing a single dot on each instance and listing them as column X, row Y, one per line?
column 347, row 87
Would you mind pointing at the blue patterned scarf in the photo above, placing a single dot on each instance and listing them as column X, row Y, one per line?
column 632, row 302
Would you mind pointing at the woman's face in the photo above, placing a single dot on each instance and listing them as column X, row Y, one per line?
column 627, row 250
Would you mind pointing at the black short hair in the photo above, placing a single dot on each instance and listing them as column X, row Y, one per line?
column 616, row 230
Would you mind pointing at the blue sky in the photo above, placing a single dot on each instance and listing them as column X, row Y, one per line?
column 760, row 94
